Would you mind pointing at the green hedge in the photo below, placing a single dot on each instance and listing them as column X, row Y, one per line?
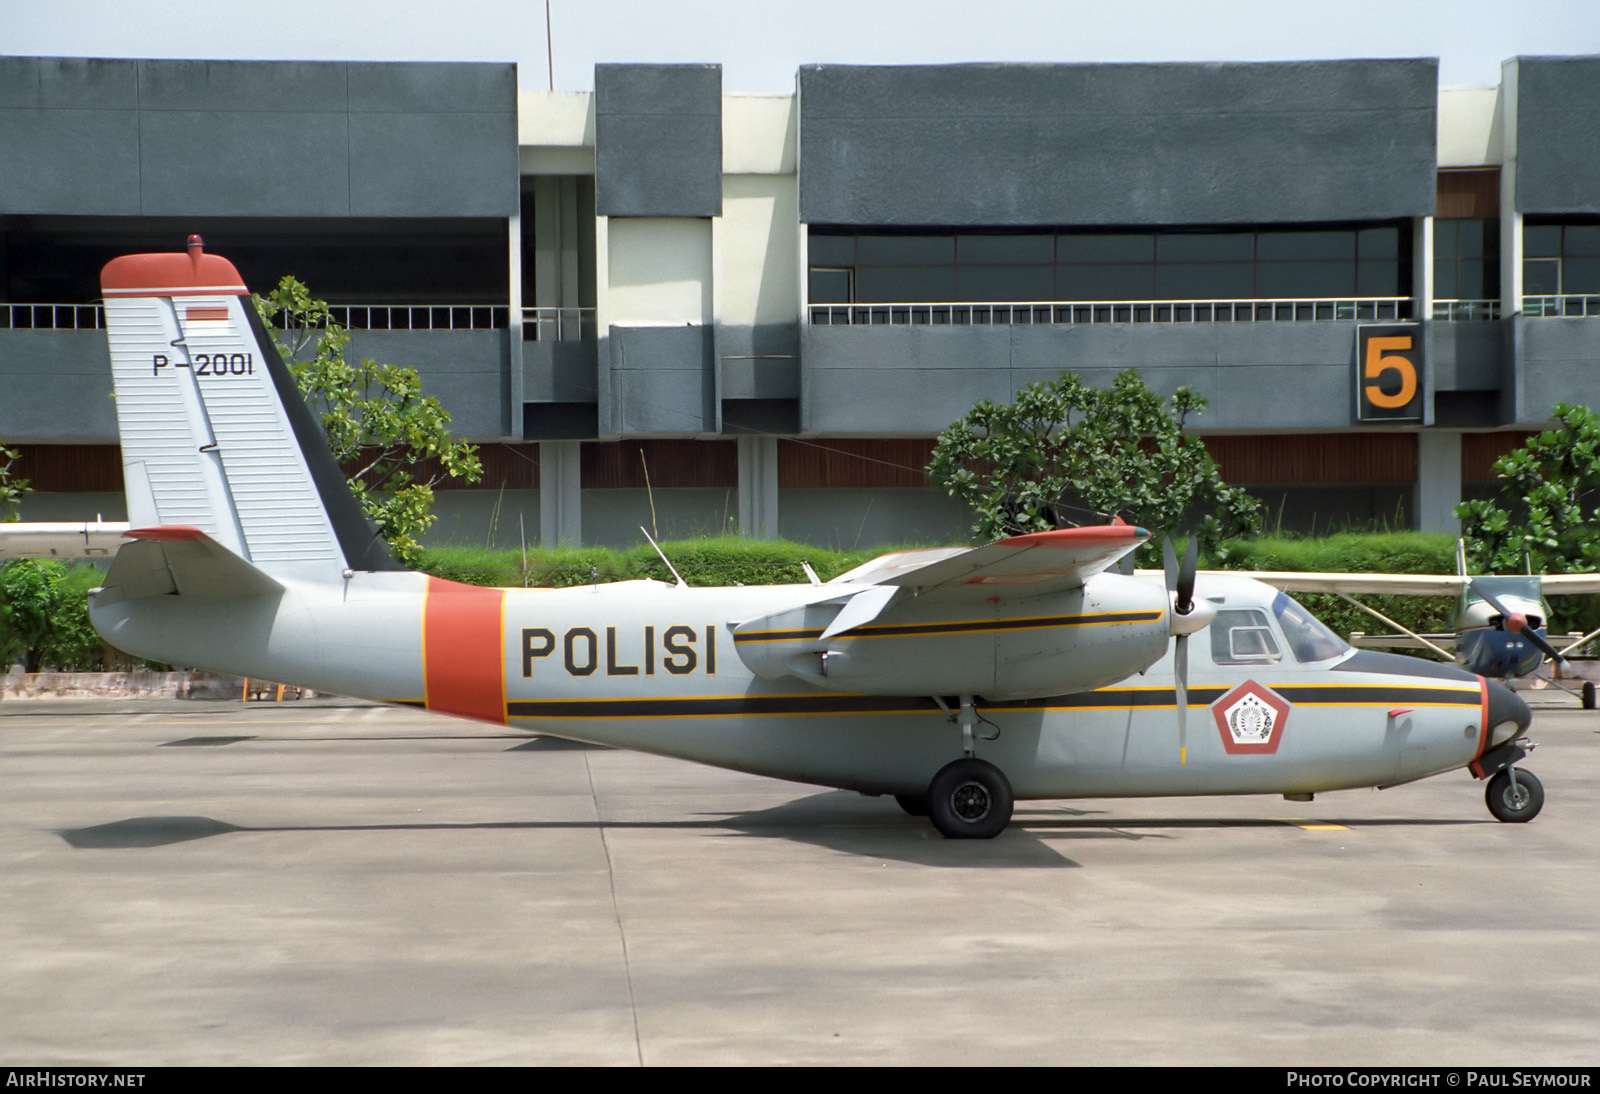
column 726, row 561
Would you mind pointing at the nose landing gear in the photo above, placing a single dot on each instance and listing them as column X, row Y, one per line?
column 1514, row 796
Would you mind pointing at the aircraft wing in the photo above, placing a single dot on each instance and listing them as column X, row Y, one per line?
column 72, row 539
column 1296, row 581
column 1569, row 584
column 1404, row 584
column 1027, row 565
column 1357, row 584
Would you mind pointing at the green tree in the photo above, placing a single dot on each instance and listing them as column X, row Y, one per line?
column 1063, row 447
column 393, row 442
column 1547, row 511
column 44, row 616
column 11, row 487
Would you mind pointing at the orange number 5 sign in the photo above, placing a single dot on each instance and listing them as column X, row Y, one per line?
column 1389, row 383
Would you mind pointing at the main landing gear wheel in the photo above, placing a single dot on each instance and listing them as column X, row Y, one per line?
column 1588, row 695
column 969, row 799
column 1515, row 804
column 915, row 805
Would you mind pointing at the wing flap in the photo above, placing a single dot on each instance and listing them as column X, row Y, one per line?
column 1030, row 565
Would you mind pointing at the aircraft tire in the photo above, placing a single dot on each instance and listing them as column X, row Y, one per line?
column 1516, row 805
column 1588, row 695
column 970, row 799
column 915, row 805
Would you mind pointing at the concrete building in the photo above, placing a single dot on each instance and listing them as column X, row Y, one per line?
column 664, row 302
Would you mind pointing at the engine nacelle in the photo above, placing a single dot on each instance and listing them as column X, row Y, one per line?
column 1010, row 648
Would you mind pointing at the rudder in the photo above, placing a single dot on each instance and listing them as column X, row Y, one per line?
column 214, row 433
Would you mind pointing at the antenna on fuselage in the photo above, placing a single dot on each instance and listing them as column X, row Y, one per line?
column 682, row 584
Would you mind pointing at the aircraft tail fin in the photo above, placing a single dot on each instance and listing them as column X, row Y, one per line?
column 215, row 436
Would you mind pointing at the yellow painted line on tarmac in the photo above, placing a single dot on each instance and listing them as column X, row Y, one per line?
column 1315, row 826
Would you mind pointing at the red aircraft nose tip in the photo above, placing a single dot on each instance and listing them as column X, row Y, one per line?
column 1515, row 622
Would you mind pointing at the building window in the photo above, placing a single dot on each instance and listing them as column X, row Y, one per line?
column 1560, row 257
column 1048, row 265
column 1466, row 259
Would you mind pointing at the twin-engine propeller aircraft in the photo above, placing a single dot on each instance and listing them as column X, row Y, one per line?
column 956, row 680
column 1500, row 624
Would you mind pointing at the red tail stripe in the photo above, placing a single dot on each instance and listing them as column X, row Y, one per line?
column 463, row 651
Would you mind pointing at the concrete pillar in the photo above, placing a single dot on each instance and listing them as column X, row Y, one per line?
column 560, row 493
column 758, row 487
column 1438, row 489
column 512, row 426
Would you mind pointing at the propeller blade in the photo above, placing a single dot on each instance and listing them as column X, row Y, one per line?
column 1542, row 645
column 1489, row 598
column 1185, row 587
column 1180, row 682
column 1169, row 562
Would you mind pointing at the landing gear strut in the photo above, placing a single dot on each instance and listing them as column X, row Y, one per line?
column 970, row 799
column 1514, row 796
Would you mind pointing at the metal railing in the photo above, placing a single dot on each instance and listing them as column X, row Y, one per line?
column 1460, row 311
column 557, row 324
column 1567, row 305
column 445, row 317
column 1111, row 311
column 421, row 316
column 51, row 317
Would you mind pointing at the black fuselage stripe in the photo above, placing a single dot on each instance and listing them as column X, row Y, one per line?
column 907, row 630
column 1133, row 698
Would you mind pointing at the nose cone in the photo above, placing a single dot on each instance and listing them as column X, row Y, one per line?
column 1505, row 706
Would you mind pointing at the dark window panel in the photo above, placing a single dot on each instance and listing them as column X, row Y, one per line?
column 1472, row 285
column 1378, row 243
column 1541, row 276
column 905, row 284
column 1205, row 281
column 1580, row 275
column 905, row 250
column 1005, row 250
column 1005, row 283
column 1471, row 235
column 1109, row 282
column 1541, row 240
column 832, row 250
column 1305, row 246
column 830, row 286
column 1206, row 247
column 1445, row 245
column 1306, row 279
column 1445, row 284
column 1581, row 239
column 1107, row 247
column 1379, row 279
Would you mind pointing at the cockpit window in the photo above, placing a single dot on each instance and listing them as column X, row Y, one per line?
column 1307, row 638
column 1243, row 637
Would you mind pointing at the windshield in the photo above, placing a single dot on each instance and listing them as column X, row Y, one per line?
column 1308, row 638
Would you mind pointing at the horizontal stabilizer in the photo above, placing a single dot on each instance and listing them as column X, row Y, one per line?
column 182, row 561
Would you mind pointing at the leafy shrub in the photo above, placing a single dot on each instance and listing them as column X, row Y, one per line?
column 44, row 616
